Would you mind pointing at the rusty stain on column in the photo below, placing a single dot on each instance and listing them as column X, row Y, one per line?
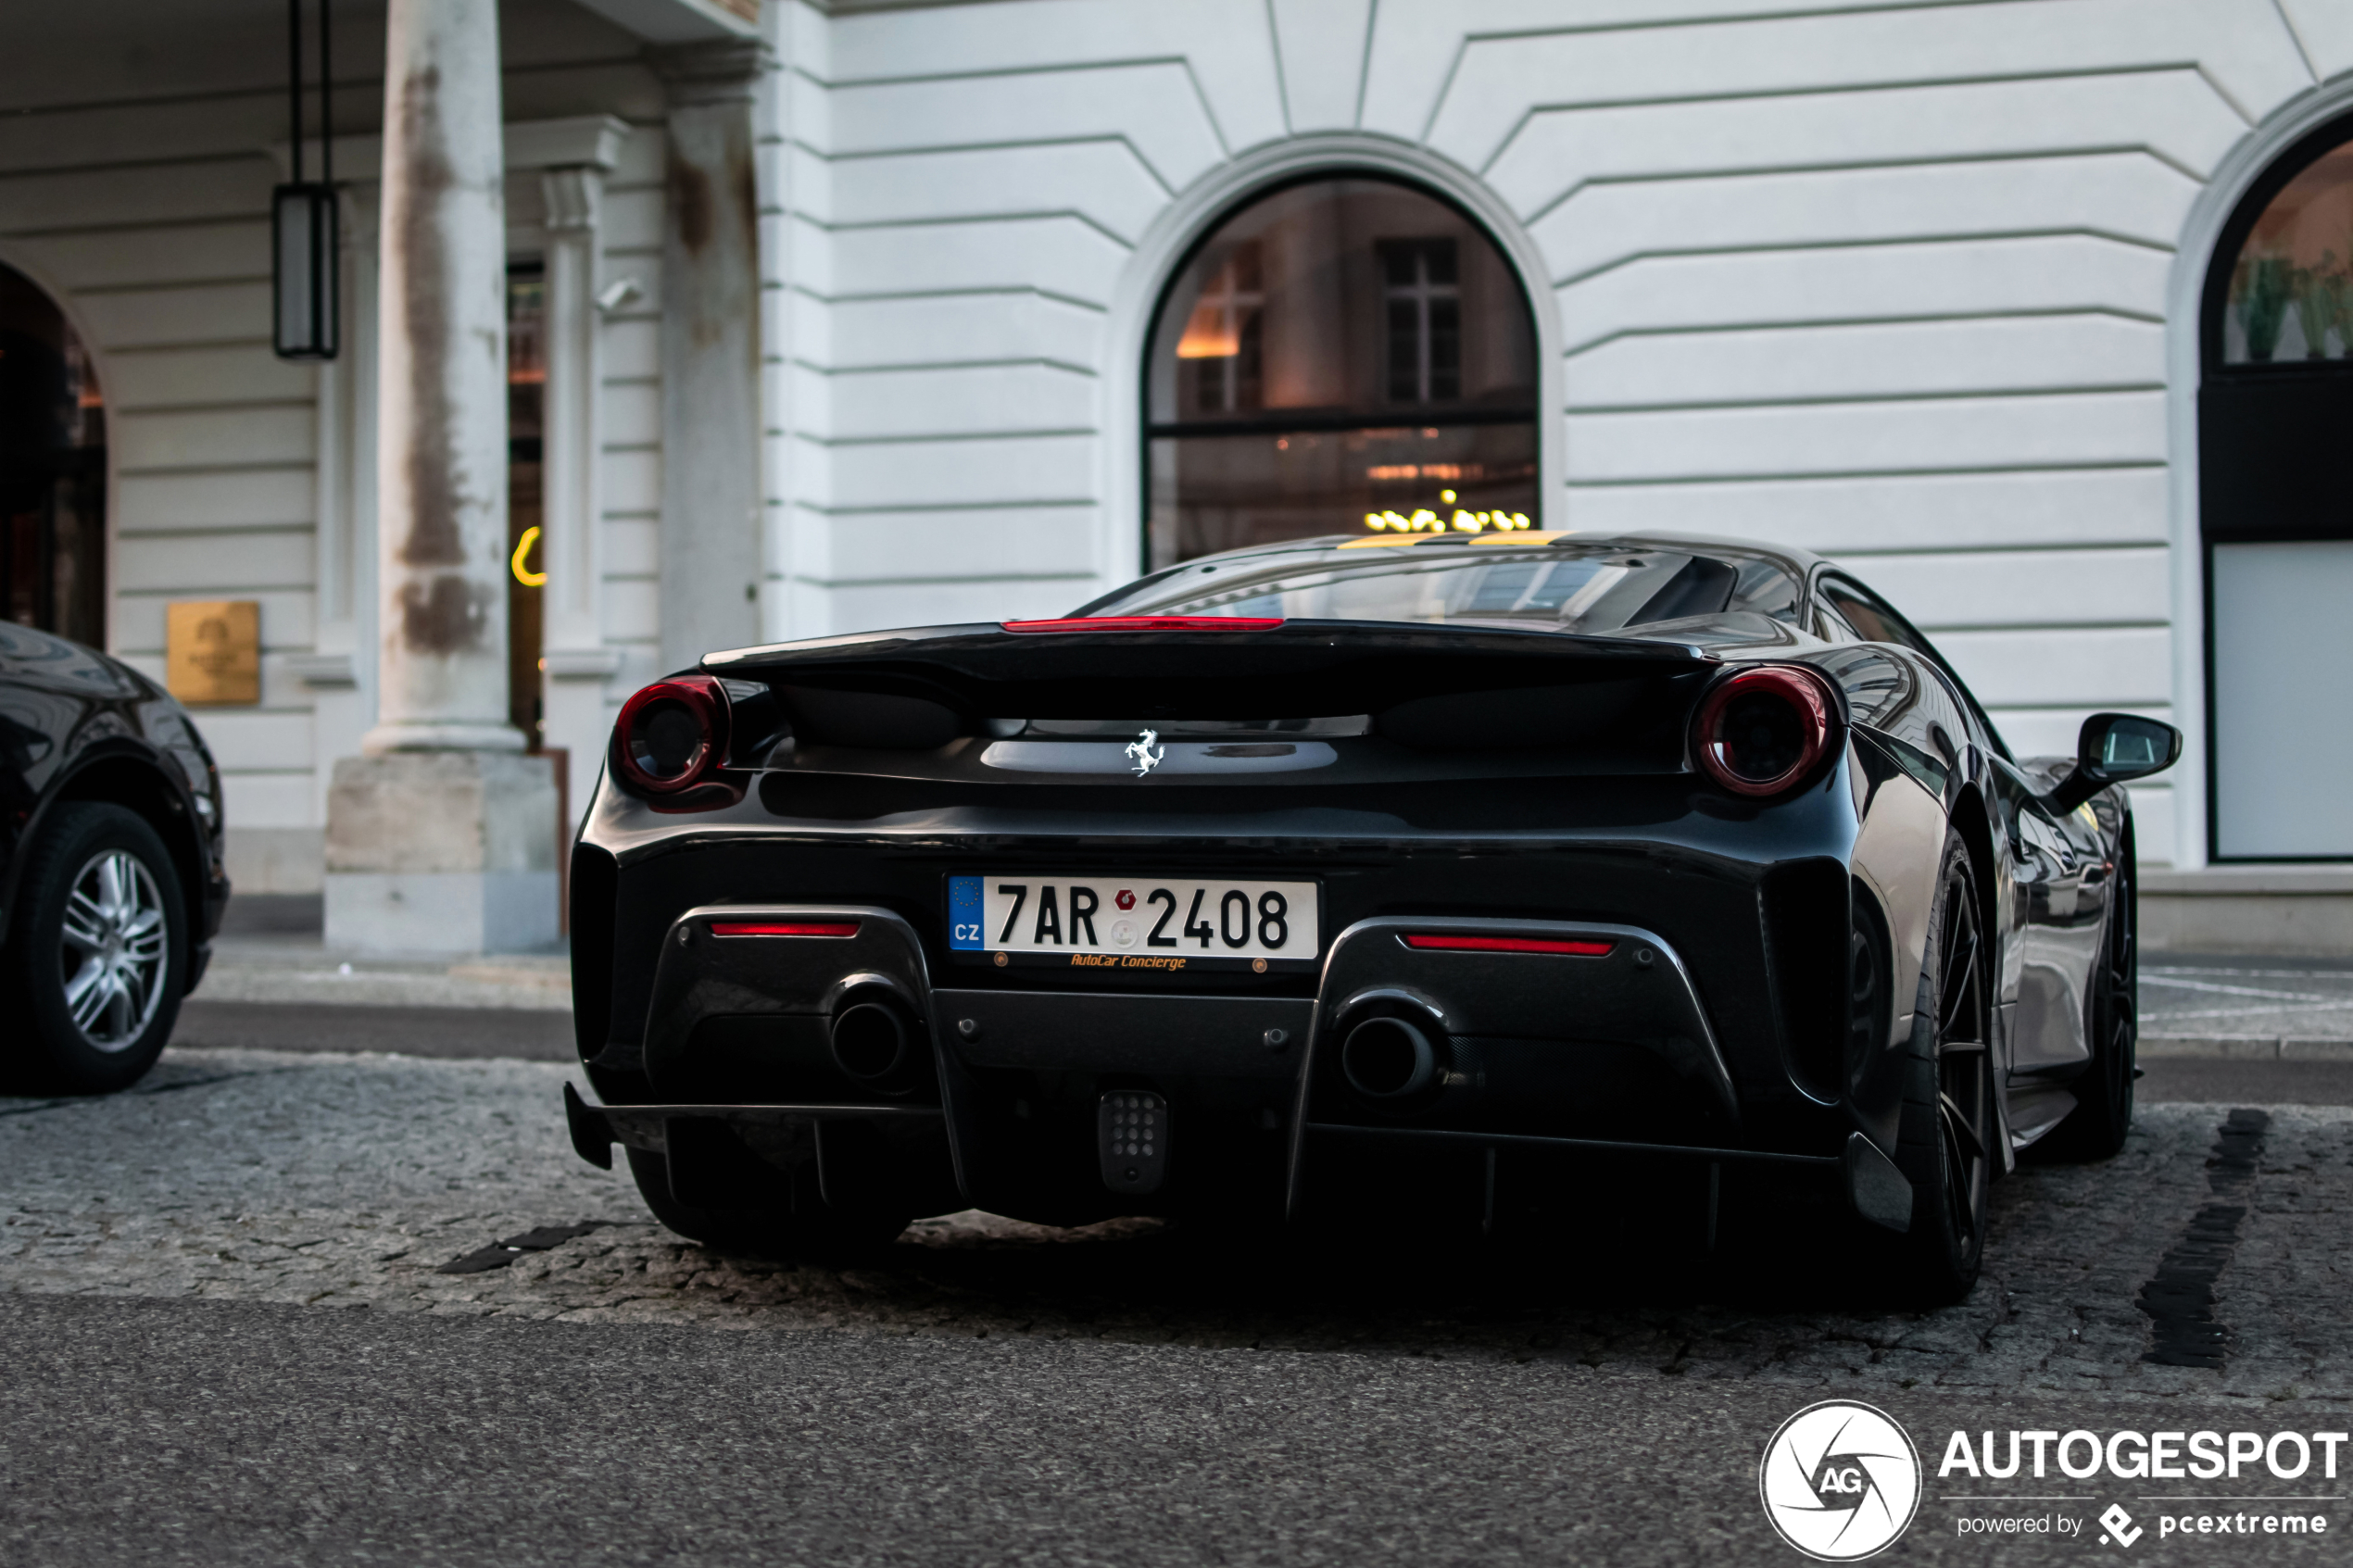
column 442, row 407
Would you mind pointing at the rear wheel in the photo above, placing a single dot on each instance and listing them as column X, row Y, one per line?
column 1946, row 1145
column 2095, row 1129
column 99, row 953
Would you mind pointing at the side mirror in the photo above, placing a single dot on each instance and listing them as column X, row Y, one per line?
column 2112, row 749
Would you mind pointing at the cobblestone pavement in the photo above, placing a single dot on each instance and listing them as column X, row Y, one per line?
column 348, row 1181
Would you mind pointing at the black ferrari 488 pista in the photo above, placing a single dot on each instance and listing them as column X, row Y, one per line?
column 1387, row 874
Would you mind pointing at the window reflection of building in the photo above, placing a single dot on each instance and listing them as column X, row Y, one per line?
column 1337, row 348
column 1222, row 349
column 52, row 471
column 1425, row 321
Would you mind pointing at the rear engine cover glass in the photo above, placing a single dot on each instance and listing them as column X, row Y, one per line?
column 1547, row 588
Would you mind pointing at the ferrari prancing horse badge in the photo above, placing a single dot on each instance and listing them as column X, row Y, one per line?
column 1147, row 751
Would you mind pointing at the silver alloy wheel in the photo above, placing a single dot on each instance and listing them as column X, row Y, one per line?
column 112, row 951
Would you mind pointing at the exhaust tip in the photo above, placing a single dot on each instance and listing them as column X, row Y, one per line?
column 1387, row 1059
column 871, row 1040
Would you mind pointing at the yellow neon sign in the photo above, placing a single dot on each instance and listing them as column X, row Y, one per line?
column 524, row 576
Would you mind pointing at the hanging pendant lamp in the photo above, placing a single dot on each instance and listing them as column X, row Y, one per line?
column 304, row 241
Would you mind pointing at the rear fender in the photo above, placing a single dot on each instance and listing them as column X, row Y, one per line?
column 1896, row 854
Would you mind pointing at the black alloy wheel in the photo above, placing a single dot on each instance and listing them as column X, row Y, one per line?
column 1946, row 1147
column 2096, row 1128
column 98, row 957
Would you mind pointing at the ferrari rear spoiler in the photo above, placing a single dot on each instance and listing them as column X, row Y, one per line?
column 1425, row 684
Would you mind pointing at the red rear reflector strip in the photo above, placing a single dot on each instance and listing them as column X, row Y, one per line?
column 1149, row 623
column 783, row 928
column 1510, row 945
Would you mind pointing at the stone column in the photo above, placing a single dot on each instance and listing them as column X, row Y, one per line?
column 710, row 511
column 340, row 671
column 441, row 431
column 577, row 661
column 443, row 836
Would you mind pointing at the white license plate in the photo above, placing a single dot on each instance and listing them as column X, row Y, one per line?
column 1134, row 918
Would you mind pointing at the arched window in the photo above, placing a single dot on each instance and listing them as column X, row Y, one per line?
column 52, row 471
column 1338, row 355
column 2275, row 503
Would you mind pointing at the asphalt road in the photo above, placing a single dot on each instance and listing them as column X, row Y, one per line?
column 228, row 1339
column 2176, row 1080
column 147, row 1432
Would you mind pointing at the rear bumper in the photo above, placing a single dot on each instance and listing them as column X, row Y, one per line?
column 738, row 1156
column 1598, row 1054
column 705, row 1147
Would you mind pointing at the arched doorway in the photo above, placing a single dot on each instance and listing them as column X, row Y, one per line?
column 2275, row 427
column 52, row 471
column 1339, row 349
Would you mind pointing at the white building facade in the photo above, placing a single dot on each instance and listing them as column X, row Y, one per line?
column 1928, row 287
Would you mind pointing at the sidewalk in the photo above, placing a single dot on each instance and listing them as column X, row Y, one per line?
column 297, row 966
column 2257, row 1008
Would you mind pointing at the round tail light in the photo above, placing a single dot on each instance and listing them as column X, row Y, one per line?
column 1761, row 731
column 672, row 735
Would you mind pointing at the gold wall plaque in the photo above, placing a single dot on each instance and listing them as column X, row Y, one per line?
column 212, row 651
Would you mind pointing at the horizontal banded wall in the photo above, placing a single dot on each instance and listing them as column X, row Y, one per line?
column 943, row 246
column 149, row 223
column 134, row 186
column 1884, row 280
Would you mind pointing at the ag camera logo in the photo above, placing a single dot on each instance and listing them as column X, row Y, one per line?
column 1840, row 1481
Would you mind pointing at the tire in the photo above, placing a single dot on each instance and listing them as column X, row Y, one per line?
column 1945, row 1146
column 2096, row 1128
column 761, row 1232
column 97, row 958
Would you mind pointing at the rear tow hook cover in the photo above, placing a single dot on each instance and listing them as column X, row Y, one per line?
column 1131, row 1135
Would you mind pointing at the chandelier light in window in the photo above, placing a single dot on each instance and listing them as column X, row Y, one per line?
column 1424, row 520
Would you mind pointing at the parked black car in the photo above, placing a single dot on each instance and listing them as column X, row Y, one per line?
column 111, row 884
column 1386, row 872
